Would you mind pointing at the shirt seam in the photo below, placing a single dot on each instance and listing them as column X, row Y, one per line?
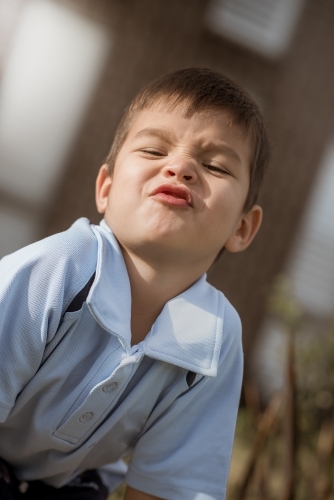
column 181, row 486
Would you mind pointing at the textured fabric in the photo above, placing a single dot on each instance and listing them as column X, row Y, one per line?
column 96, row 398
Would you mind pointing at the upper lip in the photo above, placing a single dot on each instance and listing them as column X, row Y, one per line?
column 180, row 191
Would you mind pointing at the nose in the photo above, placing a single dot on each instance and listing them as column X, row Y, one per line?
column 183, row 169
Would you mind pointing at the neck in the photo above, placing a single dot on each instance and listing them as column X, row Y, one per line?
column 152, row 285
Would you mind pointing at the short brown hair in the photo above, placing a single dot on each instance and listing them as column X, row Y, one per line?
column 202, row 89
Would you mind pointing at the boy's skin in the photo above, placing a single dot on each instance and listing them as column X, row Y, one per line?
column 170, row 237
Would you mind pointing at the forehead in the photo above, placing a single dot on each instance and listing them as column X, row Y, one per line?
column 215, row 122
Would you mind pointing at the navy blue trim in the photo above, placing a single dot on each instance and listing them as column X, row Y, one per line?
column 190, row 378
column 80, row 297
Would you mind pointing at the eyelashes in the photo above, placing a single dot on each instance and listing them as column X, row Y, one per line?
column 153, row 152
column 213, row 168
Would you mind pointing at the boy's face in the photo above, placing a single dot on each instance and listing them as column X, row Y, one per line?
column 179, row 186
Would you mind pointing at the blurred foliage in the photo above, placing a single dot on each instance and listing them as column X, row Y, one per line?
column 314, row 344
column 313, row 340
column 315, row 368
column 283, row 304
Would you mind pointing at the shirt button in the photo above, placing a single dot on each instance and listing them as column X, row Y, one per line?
column 86, row 417
column 110, row 387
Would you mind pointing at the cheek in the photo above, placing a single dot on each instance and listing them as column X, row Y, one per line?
column 131, row 174
column 222, row 200
column 122, row 181
column 224, row 210
column 125, row 194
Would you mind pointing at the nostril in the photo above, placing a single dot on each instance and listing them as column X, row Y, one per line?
column 187, row 177
column 171, row 173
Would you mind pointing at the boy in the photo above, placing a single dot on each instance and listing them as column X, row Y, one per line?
column 112, row 342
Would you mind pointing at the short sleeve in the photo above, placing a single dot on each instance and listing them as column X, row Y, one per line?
column 186, row 454
column 36, row 285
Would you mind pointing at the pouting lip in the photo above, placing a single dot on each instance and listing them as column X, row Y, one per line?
column 179, row 191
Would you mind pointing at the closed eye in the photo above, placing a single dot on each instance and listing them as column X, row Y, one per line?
column 153, row 152
column 213, row 168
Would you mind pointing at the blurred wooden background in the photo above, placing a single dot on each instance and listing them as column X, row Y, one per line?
column 295, row 92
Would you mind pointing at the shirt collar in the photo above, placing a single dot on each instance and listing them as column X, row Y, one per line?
column 189, row 330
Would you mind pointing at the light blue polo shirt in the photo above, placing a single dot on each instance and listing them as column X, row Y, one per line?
column 74, row 393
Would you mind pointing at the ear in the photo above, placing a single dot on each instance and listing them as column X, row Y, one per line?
column 245, row 230
column 102, row 188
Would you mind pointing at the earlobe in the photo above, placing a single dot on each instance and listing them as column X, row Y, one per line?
column 245, row 231
column 102, row 188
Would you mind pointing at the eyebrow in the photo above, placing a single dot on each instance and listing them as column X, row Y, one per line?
column 156, row 132
column 223, row 147
column 209, row 146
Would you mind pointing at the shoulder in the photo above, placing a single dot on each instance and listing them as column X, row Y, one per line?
column 232, row 321
column 231, row 358
column 226, row 314
column 63, row 262
column 68, row 243
column 231, row 327
column 78, row 240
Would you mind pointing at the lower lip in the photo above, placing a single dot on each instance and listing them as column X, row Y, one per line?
column 171, row 200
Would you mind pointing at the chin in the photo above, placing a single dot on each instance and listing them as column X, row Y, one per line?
column 159, row 242
column 154, row 231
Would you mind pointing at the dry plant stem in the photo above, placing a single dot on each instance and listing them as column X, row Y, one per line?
column 290, row 421
column 264, row 427
column 325, row 450
column 326, row 441
column 311, row 479
column 263, row 474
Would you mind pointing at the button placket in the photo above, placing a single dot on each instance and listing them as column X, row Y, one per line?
column 94, row 407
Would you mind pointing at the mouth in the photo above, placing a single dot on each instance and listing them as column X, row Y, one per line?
column 173, row 195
